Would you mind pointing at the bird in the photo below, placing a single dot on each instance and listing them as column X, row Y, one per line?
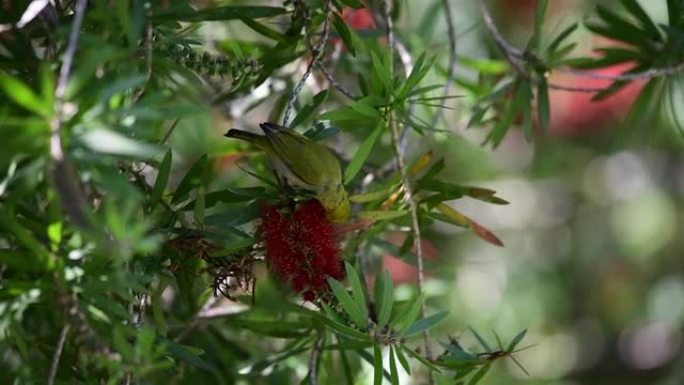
column 302, row 163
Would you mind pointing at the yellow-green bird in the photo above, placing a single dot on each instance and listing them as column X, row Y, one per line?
column 302, row 163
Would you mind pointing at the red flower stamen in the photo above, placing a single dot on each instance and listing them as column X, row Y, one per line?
column 302, row 249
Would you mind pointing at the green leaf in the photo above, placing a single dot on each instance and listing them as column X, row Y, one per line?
column 526, row 89
column 308, row 109
column 420, row 69
column 480, row 340
column 609, row 91
column 162, row 177
column 675, row 9
column 382, row 215
column 273, row 328
column 230, row 195
column 357, row 289
column 477, row 377
column 402, row 360
column 185, row 354
column 371, row 196
column 110, row 142
column 343, row 114
column 484, row 66
column 425, row 323
column 561, row 37
column 121, row 85
column 24, row 96
column 381, row 71
column 516, row 340
column 191, row 180
column 235, row 215
column 618, row 28
column 543, row 109
column 39, row 254
column 264, row 30
column 350, row 307
column 343, row 329
column 406, row 318
column 502, row 125
column 362, row 154
column 539, row 11
column 384, row 297
column 421, row 359
column 649, row 26
column 342, row 30
column 199, row 207
column 377, row 365
column 346, row 367
column 221, row 13
column 157, row 311
column 366, row 107
column 394, row 374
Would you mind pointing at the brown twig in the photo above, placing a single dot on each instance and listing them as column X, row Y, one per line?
column 64, row 177
column 333, row 82
column 647, row 74
column 408, row 191
column 317, row 54
column 58, row 354
column 324, row 70
column 451, row 65
column 517, row 57
column 315, row 357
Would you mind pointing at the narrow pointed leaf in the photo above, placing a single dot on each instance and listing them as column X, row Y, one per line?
column 480, row 340
column 362, row 154
column 384, row 297
column 406, row 318
column 425, row 324
column 377, row 365
column 357, row 290
column 394, row 374
column 348, row 304
column 162, row 177
column 516, row 340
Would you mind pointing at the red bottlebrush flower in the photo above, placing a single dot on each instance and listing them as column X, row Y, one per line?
column 359, row 19
column 302, row 249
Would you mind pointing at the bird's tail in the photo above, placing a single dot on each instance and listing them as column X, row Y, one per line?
column 243, row 135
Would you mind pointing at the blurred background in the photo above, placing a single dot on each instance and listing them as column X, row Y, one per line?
column 593, row 261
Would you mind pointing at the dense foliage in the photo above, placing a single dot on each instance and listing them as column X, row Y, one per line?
column 137, row 245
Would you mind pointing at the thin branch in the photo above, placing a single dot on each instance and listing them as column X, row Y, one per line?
column 387, row 14
column 324, row 70
column 408, row 191
column 148, row 46
column 64, row 177
column 451, row 66
column 407, row 63
column 65, row 70
column 313, row 361
column 513, row 54
column 647, row 74
column 58, row 354
column 517, row 57
column 333, row 82
column 317, row 54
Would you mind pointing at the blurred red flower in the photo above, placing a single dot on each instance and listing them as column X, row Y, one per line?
column 302, row 249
